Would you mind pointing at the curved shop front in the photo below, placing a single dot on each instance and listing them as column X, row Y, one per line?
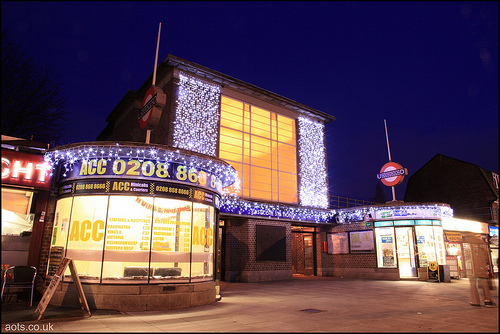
column 139, row 222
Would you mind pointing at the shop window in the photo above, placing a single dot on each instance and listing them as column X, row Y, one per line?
column 202, row 242
column 171, row 240
column 430, row 244
column 127, row 242
column 60, row 233
column 386, row 247
column 17, row 216
column 133, row 239
column 440, row 249
column 86, row 236
column 261, row 146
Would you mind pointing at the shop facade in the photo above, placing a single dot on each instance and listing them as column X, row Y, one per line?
column 472, row 192
column 25, row 194
column 389, row 241
column 154, row 217
column 138, row 221
column 464, row 238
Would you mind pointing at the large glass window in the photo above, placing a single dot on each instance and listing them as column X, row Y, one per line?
column 261, row 146
column 203, row 242
column 16, row 211
column 171, row 240
column 430, row 245
column 386, row 247
column 134, row 239
column 128, row 236
column 86, row 235
column 60, row 233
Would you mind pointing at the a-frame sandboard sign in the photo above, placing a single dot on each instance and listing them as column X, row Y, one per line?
column 55, row 281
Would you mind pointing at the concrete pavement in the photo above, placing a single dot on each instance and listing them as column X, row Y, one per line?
column 304, row 304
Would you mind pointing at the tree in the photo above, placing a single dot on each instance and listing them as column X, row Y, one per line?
column 32, row 103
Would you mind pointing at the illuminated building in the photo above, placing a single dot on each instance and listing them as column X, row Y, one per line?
column 231, row 173
column 472, row 192
column 230, row 184
column 25, row 193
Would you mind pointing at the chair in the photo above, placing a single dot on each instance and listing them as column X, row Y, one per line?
column 19, row 277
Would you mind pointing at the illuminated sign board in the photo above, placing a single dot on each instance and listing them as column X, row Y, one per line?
column 23, row 169
column 139, row 188
column 143, row 169
column 408, row 213
column 392, row 174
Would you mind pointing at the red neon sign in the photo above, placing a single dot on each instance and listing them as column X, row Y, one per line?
column 23, row 169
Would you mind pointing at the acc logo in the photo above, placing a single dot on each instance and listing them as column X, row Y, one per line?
column 392, row 174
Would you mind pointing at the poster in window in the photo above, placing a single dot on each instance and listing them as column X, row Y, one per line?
column 338, row 243
column 362, row 241
column 388, row 251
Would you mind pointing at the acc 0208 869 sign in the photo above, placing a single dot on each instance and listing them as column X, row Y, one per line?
column 143, row 169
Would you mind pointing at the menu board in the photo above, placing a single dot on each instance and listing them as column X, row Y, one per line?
column 338, row 243
column 362, row 241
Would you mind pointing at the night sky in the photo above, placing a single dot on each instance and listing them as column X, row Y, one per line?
column 429, row 68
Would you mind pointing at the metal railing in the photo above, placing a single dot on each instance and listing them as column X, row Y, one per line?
column 339, row 202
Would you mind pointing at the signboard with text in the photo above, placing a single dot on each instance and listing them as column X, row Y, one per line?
column 139, row 188
column 392, row 174
column 23, row 169
column 142, row 169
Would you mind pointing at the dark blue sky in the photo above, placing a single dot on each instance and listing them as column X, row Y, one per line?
column 429, row 68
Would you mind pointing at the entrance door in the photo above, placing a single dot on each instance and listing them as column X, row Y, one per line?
column 303, row 253
column 308, row 255
column 406, row 252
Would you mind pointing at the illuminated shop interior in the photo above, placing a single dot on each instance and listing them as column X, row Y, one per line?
column 136, row 214
column 134, row 239
column 17, row 216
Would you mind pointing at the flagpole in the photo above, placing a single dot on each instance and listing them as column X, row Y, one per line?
column 389, row 153
column 148, row 132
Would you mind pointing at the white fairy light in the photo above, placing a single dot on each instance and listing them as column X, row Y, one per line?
column 356, row 214
column 69, row 156
column 313, row 188
column 235, row 205
column 195, row 127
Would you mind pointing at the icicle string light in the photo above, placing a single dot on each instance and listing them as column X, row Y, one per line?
column 313, row 188
column 232, row 204
column 196, row 115
column 349, row 215
column 68, row 157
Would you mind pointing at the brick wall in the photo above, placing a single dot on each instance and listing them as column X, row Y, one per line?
column 240, row 257
column 46, row 241
column 359, row 260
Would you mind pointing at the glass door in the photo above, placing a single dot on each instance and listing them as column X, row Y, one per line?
column 308, row 255
column 406, row 252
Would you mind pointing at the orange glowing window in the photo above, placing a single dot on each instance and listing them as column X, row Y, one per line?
column 261, row 145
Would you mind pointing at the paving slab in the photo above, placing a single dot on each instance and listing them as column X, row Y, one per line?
column 304, row 304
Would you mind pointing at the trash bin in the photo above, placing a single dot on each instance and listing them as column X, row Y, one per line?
column 444, row 273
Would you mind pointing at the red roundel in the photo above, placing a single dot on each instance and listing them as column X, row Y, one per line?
column 144, row 120
column 392, row 174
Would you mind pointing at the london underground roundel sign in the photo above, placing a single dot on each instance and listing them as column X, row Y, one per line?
column 392, row 174
column 152, row 106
